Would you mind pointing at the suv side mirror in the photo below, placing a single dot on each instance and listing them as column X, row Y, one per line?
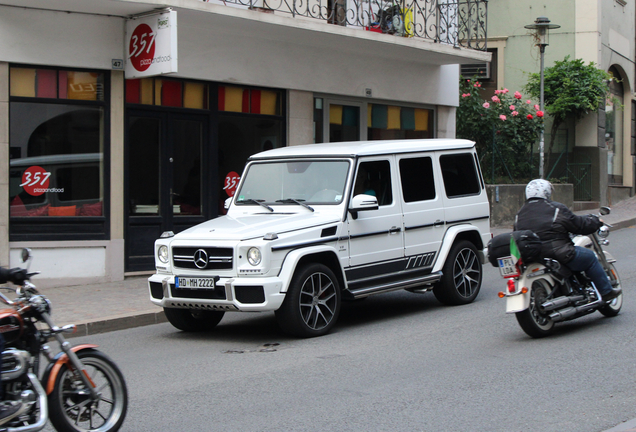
column 362, row 202
column 226, row 204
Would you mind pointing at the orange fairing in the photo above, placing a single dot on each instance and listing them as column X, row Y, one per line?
column 63, row 360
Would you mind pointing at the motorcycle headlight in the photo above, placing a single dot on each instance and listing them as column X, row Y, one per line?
column 162, row 254
column 254, row 256
column 603, row 231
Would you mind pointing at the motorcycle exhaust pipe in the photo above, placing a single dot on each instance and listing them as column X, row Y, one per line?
column 567, row 313
column 560, row 302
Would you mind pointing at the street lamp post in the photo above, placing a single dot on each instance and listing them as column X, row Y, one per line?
column 542, row 25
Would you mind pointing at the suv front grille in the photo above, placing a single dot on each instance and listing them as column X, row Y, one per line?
column 204, row 258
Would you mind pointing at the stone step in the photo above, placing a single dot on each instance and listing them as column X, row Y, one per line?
column 585, row 205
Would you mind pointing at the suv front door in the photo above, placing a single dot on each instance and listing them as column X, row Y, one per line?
column 376, row 236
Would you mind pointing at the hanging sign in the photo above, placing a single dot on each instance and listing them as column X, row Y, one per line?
column 151, row 45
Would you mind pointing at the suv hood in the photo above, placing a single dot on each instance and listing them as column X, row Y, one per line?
column 253, row 226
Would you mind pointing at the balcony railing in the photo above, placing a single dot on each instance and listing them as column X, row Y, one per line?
column 459, row 23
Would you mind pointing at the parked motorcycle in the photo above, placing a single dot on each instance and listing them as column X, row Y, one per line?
column 541, row 294
column 80, row 388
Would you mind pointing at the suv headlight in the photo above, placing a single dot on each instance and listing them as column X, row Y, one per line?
column 162, row 254
column 254, row 256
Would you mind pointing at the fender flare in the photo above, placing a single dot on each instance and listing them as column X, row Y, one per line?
column 447, row 243
column 53, row 368
column 290, row 263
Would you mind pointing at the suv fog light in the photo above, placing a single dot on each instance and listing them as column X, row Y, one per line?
column 254, row 256
column 162, row 254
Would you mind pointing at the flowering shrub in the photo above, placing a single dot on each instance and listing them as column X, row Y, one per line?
column 513, row 125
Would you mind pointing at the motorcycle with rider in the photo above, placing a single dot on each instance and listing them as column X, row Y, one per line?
column 554, row 263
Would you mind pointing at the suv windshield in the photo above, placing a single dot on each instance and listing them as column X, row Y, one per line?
column 306, row 181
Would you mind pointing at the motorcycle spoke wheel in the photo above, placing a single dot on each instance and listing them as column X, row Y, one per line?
column 71, row 407
column 534, row 321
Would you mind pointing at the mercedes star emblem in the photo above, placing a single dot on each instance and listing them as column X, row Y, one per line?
column 201, row 258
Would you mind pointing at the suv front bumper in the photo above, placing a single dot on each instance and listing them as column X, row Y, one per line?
column 230, row 294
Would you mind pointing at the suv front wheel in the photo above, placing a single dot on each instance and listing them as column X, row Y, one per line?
column 312, row 304
column 462, row 273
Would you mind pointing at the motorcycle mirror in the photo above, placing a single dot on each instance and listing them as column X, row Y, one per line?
column 605, row 210
column 26, row 254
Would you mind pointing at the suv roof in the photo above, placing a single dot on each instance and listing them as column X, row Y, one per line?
column 365, row 148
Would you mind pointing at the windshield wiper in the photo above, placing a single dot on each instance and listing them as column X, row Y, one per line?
column 253, row 201
column 299, row 202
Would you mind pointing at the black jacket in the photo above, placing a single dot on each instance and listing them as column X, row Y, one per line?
column 552, row 222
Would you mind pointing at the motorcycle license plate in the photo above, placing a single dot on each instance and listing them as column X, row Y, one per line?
column 507, row 267
column 195, row 282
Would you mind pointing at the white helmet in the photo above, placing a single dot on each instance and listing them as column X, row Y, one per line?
column 539, row 188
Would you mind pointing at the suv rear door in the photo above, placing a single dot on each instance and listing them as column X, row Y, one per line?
column 423, row 209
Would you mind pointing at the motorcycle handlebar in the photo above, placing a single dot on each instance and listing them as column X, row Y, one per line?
column 15, row 275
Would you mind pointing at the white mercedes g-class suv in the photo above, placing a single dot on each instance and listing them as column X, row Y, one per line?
column 310, row 226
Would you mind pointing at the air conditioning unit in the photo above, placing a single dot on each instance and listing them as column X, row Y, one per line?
column 479, row 70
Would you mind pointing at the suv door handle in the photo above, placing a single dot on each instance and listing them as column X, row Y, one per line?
column 438, row 222
column 394, row 230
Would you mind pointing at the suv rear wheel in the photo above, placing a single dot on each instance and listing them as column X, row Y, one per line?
column 193, row 320
column 462, row 273
column 312, row 303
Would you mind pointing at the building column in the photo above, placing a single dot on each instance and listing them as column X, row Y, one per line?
column 4, row 164
column 300, row 120
column 115, row 253
column 446, row 124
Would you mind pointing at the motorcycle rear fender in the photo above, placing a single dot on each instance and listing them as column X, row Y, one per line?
column 609, row 257
column 520, row 302
column 53, row 368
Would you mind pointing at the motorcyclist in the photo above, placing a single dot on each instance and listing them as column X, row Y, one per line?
column 9, row 409
column 553, row 222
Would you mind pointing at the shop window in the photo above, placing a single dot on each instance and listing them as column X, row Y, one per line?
column 57, row 148
column 252, row 101
column 344, row 123
column 168, row 93
column 614, row 129
column 395, row 122
column 56, row 84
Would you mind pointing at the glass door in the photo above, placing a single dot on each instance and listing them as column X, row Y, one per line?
column 164, row 180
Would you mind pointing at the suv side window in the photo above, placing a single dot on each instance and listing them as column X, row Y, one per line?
column 374, row 178
column 459, row 174
column 416, row 176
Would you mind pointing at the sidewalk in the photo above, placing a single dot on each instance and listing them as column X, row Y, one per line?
column 113, row 306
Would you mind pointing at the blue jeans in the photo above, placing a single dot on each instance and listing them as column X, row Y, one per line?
column 585, row 260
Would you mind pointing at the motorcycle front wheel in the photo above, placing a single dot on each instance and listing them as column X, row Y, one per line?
column 533, row 320
column 614, row 307
column 71, row 408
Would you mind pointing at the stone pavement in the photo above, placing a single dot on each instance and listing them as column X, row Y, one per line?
column 112, row 306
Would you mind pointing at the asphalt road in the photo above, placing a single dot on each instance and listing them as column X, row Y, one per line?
column 395, row 362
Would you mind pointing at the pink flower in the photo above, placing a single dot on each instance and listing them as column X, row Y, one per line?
column 504, row 91
column 515, row 113
column 477, row 85
column 528, row 101
column 539, row 113
column 517, row 95
column 465, row 95
column 529, row 117
column 486, row 105
column 537, row 107
column 512, row 107
column 495, row 99
column 498, row 91
column 502, row 117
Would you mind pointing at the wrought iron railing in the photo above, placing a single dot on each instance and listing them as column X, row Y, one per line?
column 459, row 23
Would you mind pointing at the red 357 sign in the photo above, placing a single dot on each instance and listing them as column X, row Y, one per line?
column 151, row 45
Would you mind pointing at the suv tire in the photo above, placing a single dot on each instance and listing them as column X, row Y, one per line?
column 462, row 274
column 193, row 320
column 312, row 304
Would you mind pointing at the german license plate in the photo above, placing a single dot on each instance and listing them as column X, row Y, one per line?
column 507, row 267
column 195, row 282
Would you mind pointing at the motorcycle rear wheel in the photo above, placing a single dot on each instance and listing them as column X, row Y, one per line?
column 70, row 406
column 614, row 307
column 533, row 320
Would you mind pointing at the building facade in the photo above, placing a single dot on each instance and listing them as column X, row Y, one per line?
column 596, row 153
column 97, row 162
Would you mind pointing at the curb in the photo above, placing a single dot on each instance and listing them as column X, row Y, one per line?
column 118, row 323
